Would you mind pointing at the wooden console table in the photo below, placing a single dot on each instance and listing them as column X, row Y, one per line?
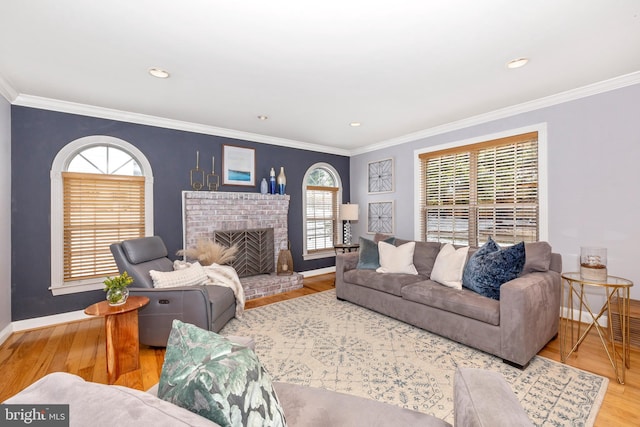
column 121, row 327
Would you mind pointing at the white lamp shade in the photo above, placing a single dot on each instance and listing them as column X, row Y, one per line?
column 349, row 212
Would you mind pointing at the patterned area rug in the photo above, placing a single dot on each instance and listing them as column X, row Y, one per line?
column 322, row 342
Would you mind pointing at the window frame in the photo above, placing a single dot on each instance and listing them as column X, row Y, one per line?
column 540, row 128
column 329, row 252
column 60, row 164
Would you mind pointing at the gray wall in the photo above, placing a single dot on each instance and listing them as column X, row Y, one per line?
column 38, row 135
column 593, row 174
column 5, row 213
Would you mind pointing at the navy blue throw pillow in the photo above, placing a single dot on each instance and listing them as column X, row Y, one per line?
column 368, row 255
column 491, row 266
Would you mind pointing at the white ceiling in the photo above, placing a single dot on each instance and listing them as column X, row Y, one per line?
column 398, row 67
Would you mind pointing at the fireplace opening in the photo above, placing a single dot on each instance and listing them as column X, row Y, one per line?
column 255, row 250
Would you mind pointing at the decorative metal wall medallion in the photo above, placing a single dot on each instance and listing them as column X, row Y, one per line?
column 380, row 217
column 381, row 176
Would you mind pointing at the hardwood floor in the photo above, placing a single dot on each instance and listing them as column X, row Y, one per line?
column 79, row 348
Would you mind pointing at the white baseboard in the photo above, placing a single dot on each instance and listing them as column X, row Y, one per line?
column 39, row 322
column 318, row 272
column 586, row 317
column 5, row 333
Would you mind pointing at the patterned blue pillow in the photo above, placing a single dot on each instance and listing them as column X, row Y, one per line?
column 224, row 382
column 491, row 266
column 368, row 255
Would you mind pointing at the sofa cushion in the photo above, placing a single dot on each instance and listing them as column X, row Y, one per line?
column 537, row 257
column 464, row 302
column 368, row 255
column 316, row 407
column 490, row 266
column 449, row 266
column 217, row 379
column 424, row 255
column 396, row 259
column 389, row 283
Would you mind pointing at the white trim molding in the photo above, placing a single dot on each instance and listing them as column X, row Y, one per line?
column 60, row 164
column 536, row 104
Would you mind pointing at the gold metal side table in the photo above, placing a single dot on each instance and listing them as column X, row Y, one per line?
column 616, row 291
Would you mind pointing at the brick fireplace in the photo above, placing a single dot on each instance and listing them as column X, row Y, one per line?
column 204, row 213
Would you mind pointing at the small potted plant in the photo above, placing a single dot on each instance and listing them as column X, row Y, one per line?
column 116, row 288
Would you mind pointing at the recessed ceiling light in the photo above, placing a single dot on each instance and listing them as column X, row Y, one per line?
column 159, row 73
column 517, row 63
column 263, row 117
column 355, row 124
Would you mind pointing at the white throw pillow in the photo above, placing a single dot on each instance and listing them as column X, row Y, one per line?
column 194, row 275
column 396, row 259
column 449, row 266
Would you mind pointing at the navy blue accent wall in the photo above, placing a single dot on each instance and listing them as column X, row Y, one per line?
column 38, row 135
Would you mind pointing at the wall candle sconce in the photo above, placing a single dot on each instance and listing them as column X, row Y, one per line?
column 213, row 180
column 197, row 175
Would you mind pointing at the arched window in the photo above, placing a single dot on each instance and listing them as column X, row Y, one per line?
column 322, row 191
column 101, row 193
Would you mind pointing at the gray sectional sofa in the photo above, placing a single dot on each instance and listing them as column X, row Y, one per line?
column 476, row 395
column 514, row 328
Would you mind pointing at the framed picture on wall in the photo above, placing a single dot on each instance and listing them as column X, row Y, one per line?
column 380, row 176
column 380, row 217
column 238, row 165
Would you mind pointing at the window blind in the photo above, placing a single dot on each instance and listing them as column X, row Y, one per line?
column 487, row 189
column 99, row 210
column 322, row 217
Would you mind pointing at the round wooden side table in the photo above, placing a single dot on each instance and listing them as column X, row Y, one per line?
column 616, row 292
column 122, row 340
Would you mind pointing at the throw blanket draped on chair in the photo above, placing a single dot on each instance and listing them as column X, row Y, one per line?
column 221, row 275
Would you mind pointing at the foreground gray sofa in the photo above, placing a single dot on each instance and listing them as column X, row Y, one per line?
column 481, row 398
column 515, row 328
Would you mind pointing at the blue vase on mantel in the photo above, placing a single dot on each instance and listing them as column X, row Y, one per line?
column 282, row 181
column 272, row 181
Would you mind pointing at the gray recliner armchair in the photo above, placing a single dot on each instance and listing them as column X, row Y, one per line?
column 207, row 306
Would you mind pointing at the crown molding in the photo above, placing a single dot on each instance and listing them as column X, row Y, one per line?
column 106, row 113
column 525, row 107
column 144, row 119
column 7, row 91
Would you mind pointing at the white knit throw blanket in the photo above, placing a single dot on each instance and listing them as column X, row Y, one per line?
column 221, row 275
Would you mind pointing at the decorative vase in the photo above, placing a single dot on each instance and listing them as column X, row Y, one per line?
column 282, row 181
column 264, row 187
column 117, row 297
column 593, row 263
column 272, row 181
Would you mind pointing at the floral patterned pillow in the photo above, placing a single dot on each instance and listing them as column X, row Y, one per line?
column 217, row 379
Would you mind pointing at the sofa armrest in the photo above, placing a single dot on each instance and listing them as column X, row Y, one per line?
column 529, row 315
column 483, row 398
column 344, row 262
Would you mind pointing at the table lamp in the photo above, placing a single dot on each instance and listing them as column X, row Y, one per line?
column 348, row 213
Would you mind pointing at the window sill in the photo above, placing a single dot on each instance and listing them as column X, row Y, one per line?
column 76, row 287
column 319, row 255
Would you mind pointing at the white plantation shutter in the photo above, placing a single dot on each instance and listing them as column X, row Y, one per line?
column 321, row 217
column 488, row 189
column 99, row 210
